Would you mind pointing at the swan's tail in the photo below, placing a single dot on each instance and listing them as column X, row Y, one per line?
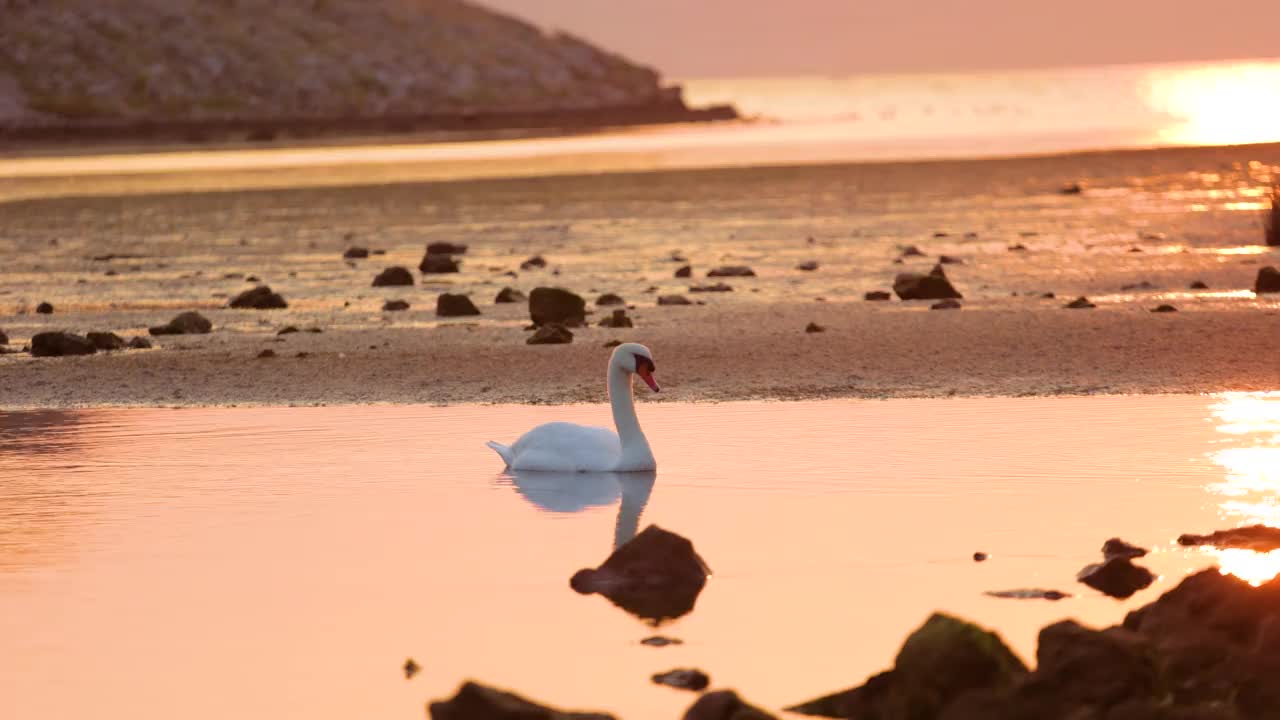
column 502, row 450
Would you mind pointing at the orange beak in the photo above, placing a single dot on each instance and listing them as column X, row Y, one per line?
column 647, row 377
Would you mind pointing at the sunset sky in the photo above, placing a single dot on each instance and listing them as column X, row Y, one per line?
column 770, row 37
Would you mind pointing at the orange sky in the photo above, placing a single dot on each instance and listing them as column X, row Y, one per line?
column 771, row 37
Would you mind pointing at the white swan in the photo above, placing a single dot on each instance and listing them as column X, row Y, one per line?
column 566, row 447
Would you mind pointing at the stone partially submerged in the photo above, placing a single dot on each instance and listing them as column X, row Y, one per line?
column 474, row 701
column 1260, row 538
column 1116, row 576
column 656, row 576
column 934, row 286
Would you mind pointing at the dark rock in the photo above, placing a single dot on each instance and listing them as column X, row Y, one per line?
column 187, row 323
column 1048, row 296
column 139, row 343
column 479, row 702
column 941, row 661
column 1268, row 281
column 1080, row 303
column 106, row 340
column 287, row 330
column 1028, row 594
column 446, row 248
column 1017, row 247
column 941, row 234
column 1144, row 285
column 395, row 305
column 44, row 308
column 808, row 265
column 610, row 299
column 949, row 260
column 377, row 252
column 718, row 287
column 934, row 286
column 411, row 667
column 658, row 640
column 1199, row 285
column 1164, row 309
column 1074, row 188
column 682, row 679
column 1259, row 538
column 677, row 256
column 684, row 272
column 1136, row 249
column 556, row 305
column 814, row 328
column 435, row 264
column 266, row 354
column 57, row 344
column 4, row 339
column 947, row 304
column 116, row 256
column 1102, row 668
column 1116, row 577
column 655, row 576
column 509, row 295
column 674, row 300
column 251, row 278
column 453, row 305
column 732, row 271
column 877, row 295
column 315, row 330
column 537, row 261
column 1115, row 547
column 980, row 556
column 353, row 253
column 393, row 276
column 911, row 251
column 619, row 319
column 550, row 335
column 724, row 705
column 259, row 298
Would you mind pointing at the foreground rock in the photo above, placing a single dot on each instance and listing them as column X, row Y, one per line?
column 724, row 705
column 1268, row 281
column 691, row 679
column 550, row 335
column 453, row 305
column 549, row 305
column 934, row 286
column 1260, row 538
column 187, row 323
column 259, row 298
column 656, row 576
column 941, row 661
column 732, row 271
column 58, row 344
column 106, row 340
column 437, row 264
column 1117, row 577
column 474, row 701
column 393, row 277
column 509, row 295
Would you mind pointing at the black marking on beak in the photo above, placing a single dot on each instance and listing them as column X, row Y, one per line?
column 644, row 363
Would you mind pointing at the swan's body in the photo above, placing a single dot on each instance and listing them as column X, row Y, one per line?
column 566, row 447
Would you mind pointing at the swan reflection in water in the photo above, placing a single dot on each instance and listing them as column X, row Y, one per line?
column 571, row 492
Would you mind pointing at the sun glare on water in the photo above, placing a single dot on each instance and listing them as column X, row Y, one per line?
column 1250, row 490
column 1231, row 105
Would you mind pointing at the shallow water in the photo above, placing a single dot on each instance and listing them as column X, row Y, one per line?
column 281, row 563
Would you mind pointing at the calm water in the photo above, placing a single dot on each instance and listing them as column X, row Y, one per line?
column 283, row 563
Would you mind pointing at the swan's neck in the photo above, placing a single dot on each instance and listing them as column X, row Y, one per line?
column 635, row 448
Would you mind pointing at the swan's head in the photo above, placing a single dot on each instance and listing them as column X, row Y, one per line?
column 636, row 359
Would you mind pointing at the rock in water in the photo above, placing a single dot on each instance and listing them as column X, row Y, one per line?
column 57, row 344
column 393, row 276
column 106, row 340
column 1259, row 538
column 656, row 576
column 1080, row 303
column 732, row 271
column 45, row 308
column 619, row 319
column 1115, row 547
column 683, row 679
column 438, row 264
column 1268, row 281
column 394, row 306
column 550, row 335
column 410, row 668
column 934, row 286
column 877, row 296
column 661, row 641
column 355, row 253
column 259, row 298
column 1029, row 594
column 187, row 323
column 610, row 299
column 556, row 305
column 684, row 272
column 724, row 705
column 509, row 295
column 452, row 305
column 474, row 701
column 1116, row 577
column 674, row 300
column 446, row 248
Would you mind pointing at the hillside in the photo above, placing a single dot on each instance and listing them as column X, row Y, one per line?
column 93, row 62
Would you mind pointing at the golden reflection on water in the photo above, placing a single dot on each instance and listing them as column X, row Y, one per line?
column 1218, row 105
column 1250, row 489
